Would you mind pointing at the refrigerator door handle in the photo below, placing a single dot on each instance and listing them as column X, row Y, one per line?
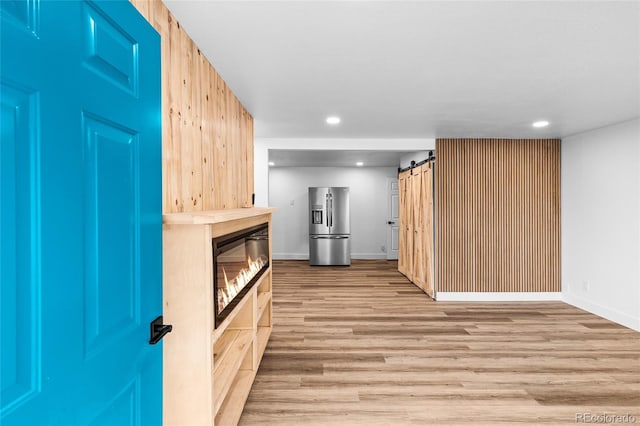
column 331, row 210
column 328, row 237
column 327, row 208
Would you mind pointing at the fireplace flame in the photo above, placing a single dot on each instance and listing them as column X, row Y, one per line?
column 235, row 285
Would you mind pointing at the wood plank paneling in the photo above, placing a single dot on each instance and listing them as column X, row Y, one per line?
column 207, row 137
column 208, row 90
column 498, row 215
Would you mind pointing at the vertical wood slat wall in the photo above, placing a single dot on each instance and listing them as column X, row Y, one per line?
column 498, row 215
column 207, row 135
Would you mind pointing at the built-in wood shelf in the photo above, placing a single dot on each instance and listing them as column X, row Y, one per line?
column 228, row 370
column 230, row 412
column 263, row 301
column 228, row 346
column 215, row 216
column 208, row 371
column 263, row 339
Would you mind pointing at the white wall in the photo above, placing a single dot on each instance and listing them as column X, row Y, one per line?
column 262, row 147
column 288, row 192
column 601, row 222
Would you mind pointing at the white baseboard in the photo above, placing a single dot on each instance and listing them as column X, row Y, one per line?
column 368, row 256
column 290, row 256
column 497, row 297
column 305, row 256
column 621, row 318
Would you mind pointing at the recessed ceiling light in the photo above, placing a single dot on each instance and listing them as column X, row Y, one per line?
column 271, row 163
column 542, row 123
column 333, row 120
column 359, row 164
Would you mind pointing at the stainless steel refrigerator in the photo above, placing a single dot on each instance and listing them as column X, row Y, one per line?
column 329, row 226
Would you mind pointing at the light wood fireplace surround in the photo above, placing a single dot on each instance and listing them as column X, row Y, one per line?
column 208, row 372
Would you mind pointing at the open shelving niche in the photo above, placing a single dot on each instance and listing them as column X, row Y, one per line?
column 208, row 372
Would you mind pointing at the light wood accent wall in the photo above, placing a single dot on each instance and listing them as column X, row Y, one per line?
column 207, row 135
column 498, row 215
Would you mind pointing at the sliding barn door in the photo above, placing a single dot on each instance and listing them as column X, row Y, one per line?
column 426, row 188
column 418, row 228
column 405, row 255
column 421, row 210
column 416, row 255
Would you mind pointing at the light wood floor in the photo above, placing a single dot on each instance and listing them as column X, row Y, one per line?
column 362, row 345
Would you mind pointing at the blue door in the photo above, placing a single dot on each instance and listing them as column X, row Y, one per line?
column 80, row 214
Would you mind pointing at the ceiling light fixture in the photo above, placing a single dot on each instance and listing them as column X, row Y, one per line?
column 359, row 164
column 542, row 123
column 271, row 163
column 333, row 120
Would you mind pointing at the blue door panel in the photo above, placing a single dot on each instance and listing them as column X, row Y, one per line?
column 112, row 233
column 80, row 214
column 24, row 14
column 110, row 51
column 19, row 324
column 123, row 409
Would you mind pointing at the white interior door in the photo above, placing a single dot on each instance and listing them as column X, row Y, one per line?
column 393, row 240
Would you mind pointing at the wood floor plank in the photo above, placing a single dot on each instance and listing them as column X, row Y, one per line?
column 363, row 346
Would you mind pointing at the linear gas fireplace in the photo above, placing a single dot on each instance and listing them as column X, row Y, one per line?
column 239, row 259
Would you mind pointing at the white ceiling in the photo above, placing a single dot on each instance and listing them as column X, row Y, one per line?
column 423, row 69
column 333, row 158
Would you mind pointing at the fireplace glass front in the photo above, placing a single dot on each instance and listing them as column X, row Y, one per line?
column 239, row 259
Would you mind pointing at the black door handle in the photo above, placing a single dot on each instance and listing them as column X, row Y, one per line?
column 390, row 222
column 157, row 330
